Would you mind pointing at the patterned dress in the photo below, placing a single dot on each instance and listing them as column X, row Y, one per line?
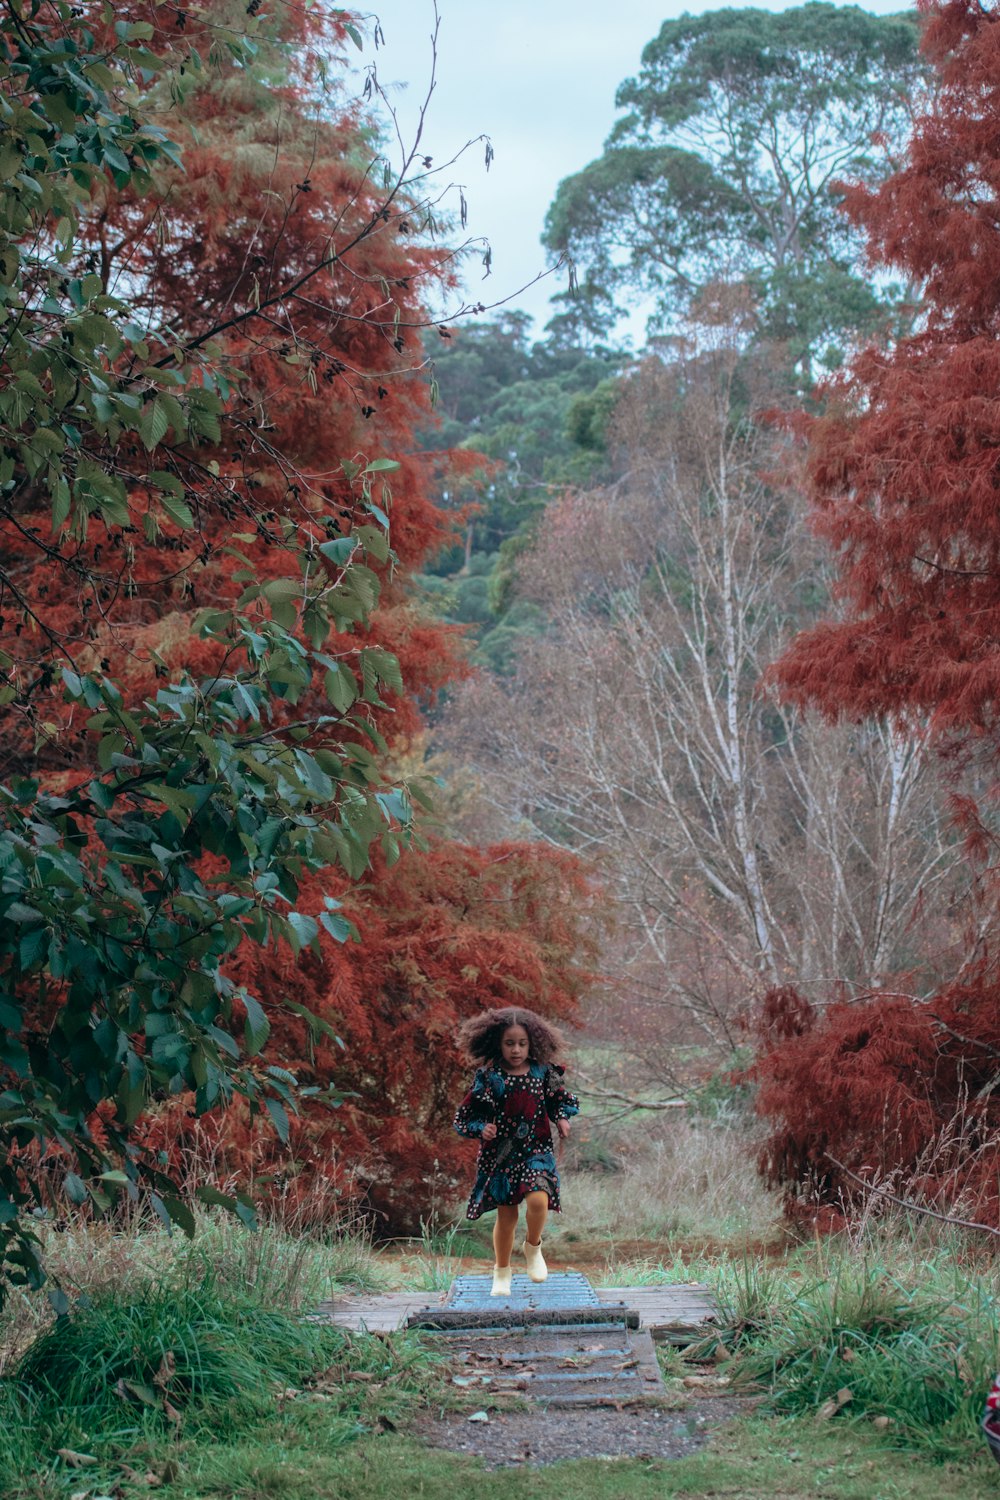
column 519, row 1160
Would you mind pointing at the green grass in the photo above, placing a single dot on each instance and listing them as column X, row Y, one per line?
column 265, row 1404
column 758, row 1460
column 137, row 1382
column 909, row 1326
column 431, row 1263
column 298, row 1459
column 923, row 1360
column 286, row 1270
column 915, row 1345
column 647, row 1272
column 286, row 1265
column 347, row 1450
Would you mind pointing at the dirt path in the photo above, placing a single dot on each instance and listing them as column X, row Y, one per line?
column 532, row 1438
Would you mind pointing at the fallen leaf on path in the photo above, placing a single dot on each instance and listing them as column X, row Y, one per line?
column 136, row 1390
column 166, row 1372
column 478, row 1416
column 171, row 1413
column 834, row 1404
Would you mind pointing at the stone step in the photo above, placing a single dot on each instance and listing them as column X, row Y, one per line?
column 586, row 1365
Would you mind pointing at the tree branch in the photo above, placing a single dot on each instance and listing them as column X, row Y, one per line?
column 593, row 1092
column 916, row 1208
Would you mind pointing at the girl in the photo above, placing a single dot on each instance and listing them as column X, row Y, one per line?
column 515, row 1094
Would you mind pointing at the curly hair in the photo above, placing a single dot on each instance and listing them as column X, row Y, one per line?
column 480, row 1036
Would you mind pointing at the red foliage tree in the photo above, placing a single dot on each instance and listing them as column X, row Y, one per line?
column 443, row 936
column 905, row 480
column 276, row 247
column 905, row 465
column 886, row 1090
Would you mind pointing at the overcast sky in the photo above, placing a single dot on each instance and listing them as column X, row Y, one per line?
column 537, row 76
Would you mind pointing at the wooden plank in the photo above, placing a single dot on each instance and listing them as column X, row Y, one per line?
column 674, row 1313
column 677, row 1313
column 379, row 1314
column 522, row 1317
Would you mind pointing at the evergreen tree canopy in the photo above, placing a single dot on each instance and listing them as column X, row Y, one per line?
column 739, row 127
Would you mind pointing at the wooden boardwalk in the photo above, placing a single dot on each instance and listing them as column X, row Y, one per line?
column 561, row 1342
column 676, row 1313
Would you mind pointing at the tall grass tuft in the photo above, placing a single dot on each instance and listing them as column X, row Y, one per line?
column 288, row 1264
column 200, row 1348
column 291, row 1261
column 126, row 1376
column 856, row 1340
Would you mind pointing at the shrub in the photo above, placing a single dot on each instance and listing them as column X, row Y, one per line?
column 858, row 1341
column 122, row 1377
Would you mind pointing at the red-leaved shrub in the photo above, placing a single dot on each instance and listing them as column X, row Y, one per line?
column 890, row 1091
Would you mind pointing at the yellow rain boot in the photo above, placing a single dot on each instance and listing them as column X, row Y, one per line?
column 537, row 1269
column 501, row 1281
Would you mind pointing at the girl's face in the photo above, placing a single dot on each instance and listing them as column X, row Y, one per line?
column 515, row 1047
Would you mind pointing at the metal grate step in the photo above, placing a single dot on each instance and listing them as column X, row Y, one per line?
column 562, row 1289
column 566, row 1298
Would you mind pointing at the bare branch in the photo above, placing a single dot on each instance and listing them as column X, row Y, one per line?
column 876, row 1190
column 594, row 1091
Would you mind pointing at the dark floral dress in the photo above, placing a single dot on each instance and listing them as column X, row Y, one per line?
column 519, row 1160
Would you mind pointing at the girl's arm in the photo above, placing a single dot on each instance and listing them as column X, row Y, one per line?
column 560, row 1104
column 477, row 1109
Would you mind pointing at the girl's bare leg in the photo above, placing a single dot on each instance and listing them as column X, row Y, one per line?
column 536, row 1212
column 503, row 1233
